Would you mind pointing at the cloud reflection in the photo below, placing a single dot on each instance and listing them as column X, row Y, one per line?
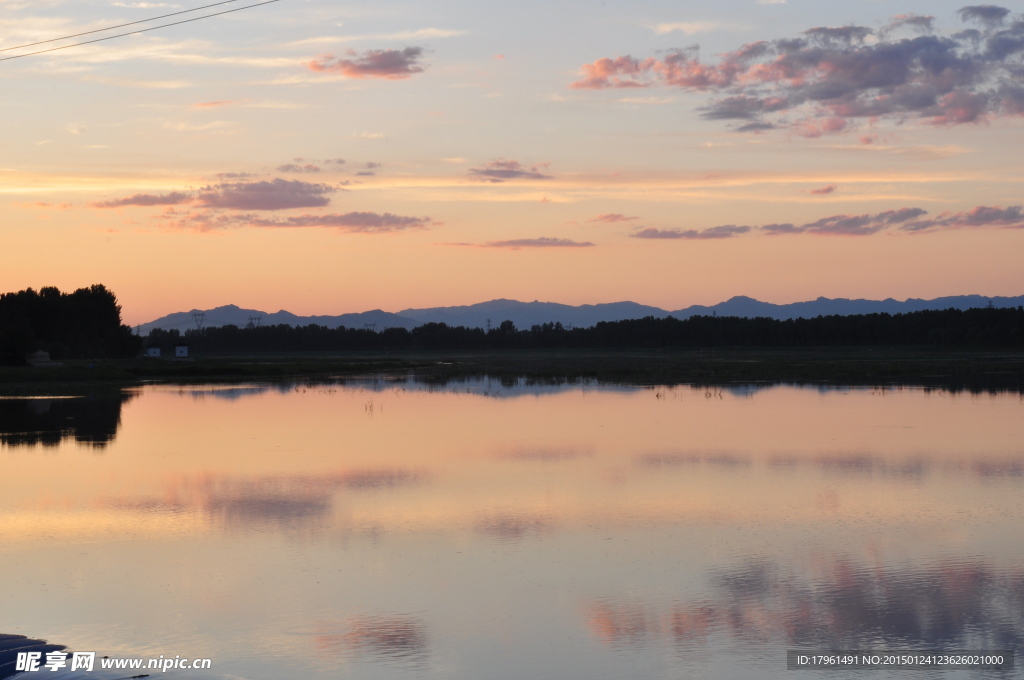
column 384, row 637
column 513, row 526
column 289, row 501
column 840, row 464
column 844, row 604
column 546, row 454
column 622, row 623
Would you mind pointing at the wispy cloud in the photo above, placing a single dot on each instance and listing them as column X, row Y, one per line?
column 822, row 191
column 542, row 242
column 611, row 218
column 386, row 64
column 850, row 225
column 687, row 27
column 915, row 22
column 293, row 167
column 500, row 170
column 143, row 84
column 651, row 101
column 909, row 220
column 278, row 194
column 147, row 200
column 422, row 33
column 982, row 216
column 350, row 222
column 724, row 231
column 213, row 125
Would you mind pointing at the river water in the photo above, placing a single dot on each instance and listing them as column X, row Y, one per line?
column 385, row 528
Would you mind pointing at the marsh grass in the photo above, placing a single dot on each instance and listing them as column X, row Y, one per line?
column 976, row 370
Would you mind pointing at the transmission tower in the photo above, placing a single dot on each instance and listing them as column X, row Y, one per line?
column 488, row 325
column 199, row 318
column 255, row 321
column 370, row 327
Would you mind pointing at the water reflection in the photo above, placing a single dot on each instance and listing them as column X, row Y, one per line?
column 400, row 638
column 289, row 501
column 843, row 604
column 842, row 465
column 508, row 527
column 456, row 534
column 92, row 421
column 623, row 622
column 546, row 454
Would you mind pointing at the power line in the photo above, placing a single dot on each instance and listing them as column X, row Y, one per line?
column 111, row 28
column 142, row 30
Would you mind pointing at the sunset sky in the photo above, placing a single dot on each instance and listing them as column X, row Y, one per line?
column 327, row 157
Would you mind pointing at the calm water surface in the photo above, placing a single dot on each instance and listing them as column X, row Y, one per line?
column 386, row 529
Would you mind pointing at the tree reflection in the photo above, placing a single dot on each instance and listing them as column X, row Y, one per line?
column 48, row 422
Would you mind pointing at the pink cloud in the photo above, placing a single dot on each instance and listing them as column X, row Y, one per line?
column 44, row 204
column 387, row 64
column 912, row 220
column 500, row 170
column 982, row 216
column 351, row 222
column 210, row 105
column 851, row 225
column 279, row 194
column 724, row 231
column 823, row 80
column 292, row 167
column 611, row 218
column 147, row 200
column 621, row 72
column 542, row 242
column 824, row 190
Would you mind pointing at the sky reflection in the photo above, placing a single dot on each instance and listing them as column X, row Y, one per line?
column 399, row 638
column 843, row 603
column 570, row 533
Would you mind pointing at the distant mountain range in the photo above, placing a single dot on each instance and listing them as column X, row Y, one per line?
column 527, row 314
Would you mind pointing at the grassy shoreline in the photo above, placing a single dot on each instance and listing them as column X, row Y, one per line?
column 926, row 366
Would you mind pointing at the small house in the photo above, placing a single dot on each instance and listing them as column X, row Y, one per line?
column 181, row 351
column 153, row 352
column 39, row 358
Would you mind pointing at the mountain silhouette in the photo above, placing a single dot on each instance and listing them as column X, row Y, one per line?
column 527, row 314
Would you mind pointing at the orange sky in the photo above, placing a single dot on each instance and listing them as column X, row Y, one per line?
column 326, row 159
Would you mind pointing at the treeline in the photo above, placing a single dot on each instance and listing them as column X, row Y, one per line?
column 952, row 327
column 85, row 324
